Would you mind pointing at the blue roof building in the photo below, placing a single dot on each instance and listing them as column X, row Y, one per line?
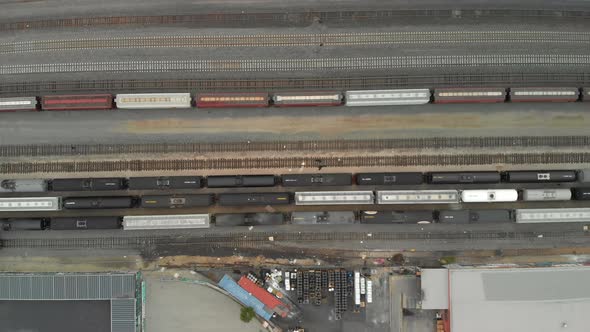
column 232, row 287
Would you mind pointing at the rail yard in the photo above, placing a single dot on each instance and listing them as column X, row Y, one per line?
column 302, row 166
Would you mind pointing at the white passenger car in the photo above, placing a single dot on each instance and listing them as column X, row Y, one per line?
column 334, row 197
column 153, row 100
column 417, row 196
column 30, row 204
column 177, row 221
column 546, row 194
column 387, row 97
column 489, row 195
column 552, row 215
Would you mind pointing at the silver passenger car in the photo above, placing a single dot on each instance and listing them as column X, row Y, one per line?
column 18, row 104
column 178, row 221
column 546, row 194
column 387, row 97
column 23, row 185
column 417, row 196
column 153, row 100
column 334, row 197
column 10, row 204
column 552, row 215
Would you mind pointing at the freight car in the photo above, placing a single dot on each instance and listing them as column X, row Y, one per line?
column 387, row 179
column 323, row 217
column 546, row 194
column 387, row 97
column 523, row 216
column 474, row 216
column 397, row 217
column 249, row 219
column 10, row 204
column 176, row 201
column 22, row 224
column 254, row 199
column 18, row 104
column 489, row 195
column 561, row 94
column 469, row 95
column 582, row 194
column 122, row 202
column 540, row 176
column 334, row 197
column 316, row 180
column 153, row 100
column 238, row 99
column 87, row 184
column 417, row 196
column 229, row 181
column 163, row 183
column 78, row 223
column 179, row 221
column 77, row 102
column 320, row 98
column 23, row 185
column 464, row 177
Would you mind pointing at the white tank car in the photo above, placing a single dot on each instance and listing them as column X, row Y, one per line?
column 546, row 194
column 489, row 195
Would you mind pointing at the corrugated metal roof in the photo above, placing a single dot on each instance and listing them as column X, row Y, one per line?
column 265, row 297
column 243, row 296
column 123, row 315
column 66, row 286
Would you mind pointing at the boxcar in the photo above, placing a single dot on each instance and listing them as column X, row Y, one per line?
column 254, row 199
column 179, row 221
column 226, row 181
column 22, row 224
column 87, row 184
column 490, row 216
column 153, row 100
column 552, row 215
column 454, row 216
column 121, row 202
column 249, row 219
column 319, row 98
column 173, row 182
column 334, row 197
column 77, row 102
column 546, row 194
column 582, row 194
column 464, row 177
column 176, row 201
column 387, row 179
column 541, row 176
column 237, row 99
column 397, row 217
column 469, row 95
column 23, row 185
column 489, row 195
column 316, row 180
column 74, row 223
column 324, row 217
column 544, row 94
column 387, row 97
column 417, row 196
column 9, row 204
column 230, row 219
column 18, row 104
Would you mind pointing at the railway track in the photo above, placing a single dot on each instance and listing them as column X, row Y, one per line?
column 282, row 146
column 288, row 19
column 293, row 162
column 514, row 79
column 294, row 65
column 278, row 40
column 250, row 240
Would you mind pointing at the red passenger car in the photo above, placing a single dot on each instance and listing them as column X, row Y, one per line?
column 77, row 102
column 232, row 99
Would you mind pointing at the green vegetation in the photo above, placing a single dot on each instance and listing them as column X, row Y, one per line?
column 246, row 314
column 448, row 260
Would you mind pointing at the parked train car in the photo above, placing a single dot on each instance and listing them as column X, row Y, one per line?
column 164, row 183
column 153, row 100
column 10, row 204
column 387, row 97
column 546, row 194
column 334, row 197
column 249, row 219
column 584, row 175
column 228, row 181
column 489, row 195
column 417, row 196
column 235, row 99
column 178, row 221
column 582, row 194
column 316, row 180
column 524, row 216
column 388, row 179
column 18, row 224
column 93, row 184
column 540, row 176
column 544, row 94
column 469, row 95
column 323, row 217
column 121, row 202
column 317, row 98
column 176, row 201
column 585, row 95
column 77, row 102
column 79, row 223
column 254, row 199
column 18, row 104
column 463, row 177
column 474, row 216
column 23, row 185
column 397, row 217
